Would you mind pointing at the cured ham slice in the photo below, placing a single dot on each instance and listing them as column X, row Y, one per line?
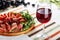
column 8, row 27
column 11, row 22
column 14, row 25
column 20, row 26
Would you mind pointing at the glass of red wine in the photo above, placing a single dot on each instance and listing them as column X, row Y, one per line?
column 43, row 16
column 43, row 13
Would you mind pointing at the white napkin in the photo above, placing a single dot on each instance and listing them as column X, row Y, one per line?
column 21, row 37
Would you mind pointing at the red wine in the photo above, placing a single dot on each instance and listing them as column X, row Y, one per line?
column 42, row 16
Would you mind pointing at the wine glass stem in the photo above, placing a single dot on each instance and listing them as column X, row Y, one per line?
column 43, row 30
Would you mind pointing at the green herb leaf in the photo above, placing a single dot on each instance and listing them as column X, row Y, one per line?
column 29, row 20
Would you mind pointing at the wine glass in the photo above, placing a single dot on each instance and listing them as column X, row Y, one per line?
column 43, row 13
column 43, row 16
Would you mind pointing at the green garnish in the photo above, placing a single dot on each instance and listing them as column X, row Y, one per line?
column 29, row 20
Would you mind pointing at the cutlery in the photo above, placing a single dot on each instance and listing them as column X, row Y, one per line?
column 41, row 29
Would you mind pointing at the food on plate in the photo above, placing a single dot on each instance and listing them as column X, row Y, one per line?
column 12, row 24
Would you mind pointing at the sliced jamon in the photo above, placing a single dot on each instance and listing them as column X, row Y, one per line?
column 11, row 22
column 15, row 19
column 10, row 14
column 3, row 25
column 18, row 15
column 14, row 25
column 8, row 26
column 13, row 15
column 2, row 29
column 1, row 17
column 22, row 20
column 1, row 21
column 7, row 20
column 5, row 15
column 20, row 27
